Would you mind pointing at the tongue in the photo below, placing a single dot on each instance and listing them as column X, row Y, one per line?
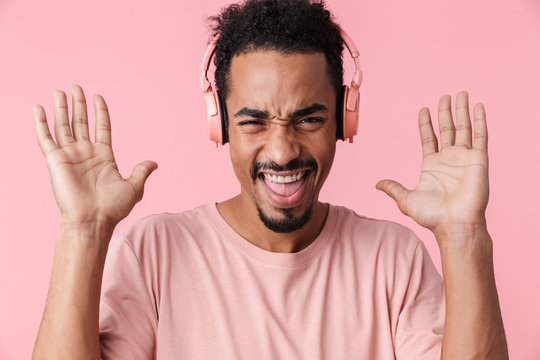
column 283, row 189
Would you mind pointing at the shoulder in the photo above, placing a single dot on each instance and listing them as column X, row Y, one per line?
column 378, row 235
column 361, row 225
column 163, row 228
column 164, row 222
column 386, row 250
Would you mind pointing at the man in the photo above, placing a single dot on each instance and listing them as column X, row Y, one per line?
column 271, row 273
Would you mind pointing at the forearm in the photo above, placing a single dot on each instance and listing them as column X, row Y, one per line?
column 69, row 328
column 473, row 326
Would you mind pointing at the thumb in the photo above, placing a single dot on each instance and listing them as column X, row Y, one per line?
column 396, row 191
column 140, row 173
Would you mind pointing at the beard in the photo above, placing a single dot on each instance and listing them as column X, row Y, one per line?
column 289, row 222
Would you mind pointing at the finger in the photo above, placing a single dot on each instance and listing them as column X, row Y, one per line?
column 480, row 128
column 79, row 119
column 45, row 140
column 427, row 135
column 103, row 122
column 463, row 121
column 396, row 191
column 446, row 124
column 139, row 175
column 62, row 131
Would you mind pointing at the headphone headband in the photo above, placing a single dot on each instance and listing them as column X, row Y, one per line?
column 348, row 109
column 207, row 86
column 349, row 43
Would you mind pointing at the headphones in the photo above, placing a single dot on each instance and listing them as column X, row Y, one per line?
column 346, row 105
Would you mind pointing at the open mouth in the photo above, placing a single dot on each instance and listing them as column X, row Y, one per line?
column 285, row 189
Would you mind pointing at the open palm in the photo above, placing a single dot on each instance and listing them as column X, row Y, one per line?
column 86, row 182
column 453, row 188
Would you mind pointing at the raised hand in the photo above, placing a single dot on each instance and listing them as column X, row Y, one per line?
column 453, row 190
column 86, row 183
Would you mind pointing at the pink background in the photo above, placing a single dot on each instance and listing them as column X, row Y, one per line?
column 143, row 57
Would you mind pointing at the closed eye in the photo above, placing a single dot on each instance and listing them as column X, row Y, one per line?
column 311, row 120
column 251, row 122
column 310, row 123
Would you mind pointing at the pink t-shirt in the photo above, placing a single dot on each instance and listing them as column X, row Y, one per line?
column 187, row 286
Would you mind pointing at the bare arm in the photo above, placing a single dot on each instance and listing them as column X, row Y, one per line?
column 69, row 329
column 450, row 200
column 473, row 326
column 92, row 197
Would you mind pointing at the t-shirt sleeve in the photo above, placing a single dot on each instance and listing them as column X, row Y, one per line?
column 128, row 316
column 421, row 320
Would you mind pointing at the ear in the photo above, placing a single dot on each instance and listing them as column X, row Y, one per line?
column 224, row 118
column 339, row 113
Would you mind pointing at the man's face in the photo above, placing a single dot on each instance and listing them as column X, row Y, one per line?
column 282, row 133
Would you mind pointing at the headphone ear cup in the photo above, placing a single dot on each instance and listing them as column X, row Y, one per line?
column 339, row 112
column 351, row 99
column 213, row 113
column 224, row 119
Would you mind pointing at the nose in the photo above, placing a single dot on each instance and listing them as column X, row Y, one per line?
column 282, row 145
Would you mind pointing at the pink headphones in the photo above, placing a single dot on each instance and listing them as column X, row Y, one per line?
column 347, row 117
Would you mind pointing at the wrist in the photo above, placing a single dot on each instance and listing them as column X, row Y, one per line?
column 96, row 224
column 86, row 234
column 462, row 235
column 458, row 228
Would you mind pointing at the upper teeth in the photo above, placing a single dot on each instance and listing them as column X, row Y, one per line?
column 285, row 179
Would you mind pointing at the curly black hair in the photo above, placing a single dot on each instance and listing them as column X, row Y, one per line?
column 289, row 26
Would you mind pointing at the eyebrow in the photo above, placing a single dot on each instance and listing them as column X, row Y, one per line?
column 308, row 110
column 252, row 113
column 259, row 114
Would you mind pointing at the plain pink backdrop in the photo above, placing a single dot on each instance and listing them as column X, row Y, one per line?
column 144, row 58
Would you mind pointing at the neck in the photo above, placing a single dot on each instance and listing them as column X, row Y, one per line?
column 243, row 217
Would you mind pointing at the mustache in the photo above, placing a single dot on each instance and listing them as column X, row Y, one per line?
column 292, row 165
